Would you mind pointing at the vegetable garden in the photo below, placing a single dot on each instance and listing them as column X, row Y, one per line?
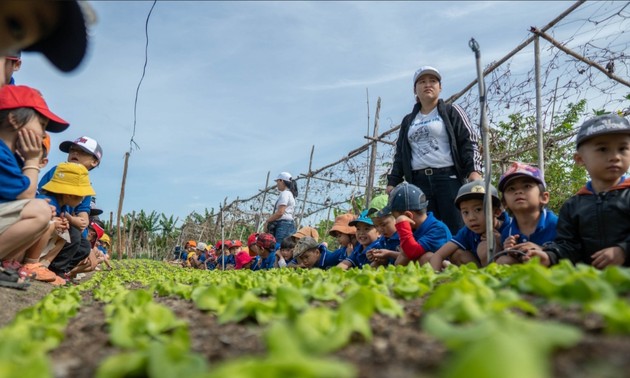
column 149, row 318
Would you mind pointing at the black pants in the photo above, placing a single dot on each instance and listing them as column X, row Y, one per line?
column 71, row 253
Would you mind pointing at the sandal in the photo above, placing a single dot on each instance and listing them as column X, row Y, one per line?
column 12, row 280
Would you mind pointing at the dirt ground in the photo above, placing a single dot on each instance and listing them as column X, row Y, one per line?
column 399, row 347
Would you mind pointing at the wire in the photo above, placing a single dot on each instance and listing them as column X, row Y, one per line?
column 132, row 143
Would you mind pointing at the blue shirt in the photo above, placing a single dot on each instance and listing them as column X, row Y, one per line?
column 228, row 260
column 13, row 180
column 545, row 230
column 391, row 244
column 328, row 259
column 54, row 202
column 469, row 240
column 83, row 207
column 432, row 233
column 266, row 263
column 358, row 257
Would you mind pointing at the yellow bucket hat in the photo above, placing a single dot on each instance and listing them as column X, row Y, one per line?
column 70, row 178
column 105, row 239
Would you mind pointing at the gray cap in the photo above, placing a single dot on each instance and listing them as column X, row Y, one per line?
column 304, row 244
column 424, row 70
column 476, row 190
column 404, row 197
column 602, row 125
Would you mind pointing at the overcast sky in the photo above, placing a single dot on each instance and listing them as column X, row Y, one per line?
column 236, row 89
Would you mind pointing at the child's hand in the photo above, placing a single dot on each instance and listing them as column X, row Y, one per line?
column 370, row 255
column 608, row 256
column 436, row 262
column 29, row 145
column 534, row 251
column 510, row 242
column 404, row 218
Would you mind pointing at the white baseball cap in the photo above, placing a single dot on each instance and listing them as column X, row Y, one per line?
column 426, row 70
column 284, row 176
column 87, row 144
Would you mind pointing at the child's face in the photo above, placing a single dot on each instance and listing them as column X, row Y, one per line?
column 523, row 194
column 386, row 225
column 366, row 233
column 79, row 156
column 308, row 259
column 286, row 253
column 473, row 215
column 605, row 157
column 72, row 200
column 233, row 250
column 342, row 239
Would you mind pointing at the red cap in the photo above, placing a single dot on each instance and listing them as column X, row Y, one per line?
column 21, row 96
column 98, row 229
column 237, row 243
column 242, row 258
column 251, row 240
column 266, row 241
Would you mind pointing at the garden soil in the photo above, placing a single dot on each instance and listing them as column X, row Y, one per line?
column 399, row 348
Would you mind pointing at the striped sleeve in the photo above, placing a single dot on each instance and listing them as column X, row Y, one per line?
column 474, row 138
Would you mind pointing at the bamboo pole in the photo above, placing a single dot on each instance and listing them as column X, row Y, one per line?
column 262, row 204
column 308, row 182
column 518, row 48
column 130, row 248
column 120, row 204
column 539, row 126
column 372, row 161
column 581, row 58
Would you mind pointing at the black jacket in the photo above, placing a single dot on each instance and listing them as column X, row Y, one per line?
column 590, row 222
column 462, row 137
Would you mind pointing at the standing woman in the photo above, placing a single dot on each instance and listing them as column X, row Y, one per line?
column 280, row 224
column 437, row 149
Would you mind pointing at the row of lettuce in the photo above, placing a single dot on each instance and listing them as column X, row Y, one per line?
column 484, row 317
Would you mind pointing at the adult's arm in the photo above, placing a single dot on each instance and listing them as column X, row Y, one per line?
column 467, row 140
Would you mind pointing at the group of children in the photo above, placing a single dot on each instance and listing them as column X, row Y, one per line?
column 46, row 232
column 593, row 226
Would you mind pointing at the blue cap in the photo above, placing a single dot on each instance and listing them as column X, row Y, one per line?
column 602, row 125
column 404, row 197
column 363, row 218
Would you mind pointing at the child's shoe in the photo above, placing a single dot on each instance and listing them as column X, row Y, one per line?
column 38, row 272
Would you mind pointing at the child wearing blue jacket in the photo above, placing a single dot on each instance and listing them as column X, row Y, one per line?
column 310, row 254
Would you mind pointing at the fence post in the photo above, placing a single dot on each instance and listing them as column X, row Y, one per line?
column 539, row 127
column 308, row 181
column 370, row 178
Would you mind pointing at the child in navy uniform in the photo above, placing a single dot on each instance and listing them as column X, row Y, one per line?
column 367, row 237
column 310, row 254
column 265, row 249
column 419, row 231
column 344, row 233
column 594, row 224
column 469, row 244
column 523, row 192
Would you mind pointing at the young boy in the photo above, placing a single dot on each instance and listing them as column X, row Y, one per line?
column 87, row 152
column 388, row 245
column 284, row 255
column 265, row 249
column 344, row 233
column 366, row 237
column 469, row 245
column 24, row 220
column 310, row 254
column 419, row 231
column 524, row 194
column 67, row 188
column 594, row 224
column 225, row 260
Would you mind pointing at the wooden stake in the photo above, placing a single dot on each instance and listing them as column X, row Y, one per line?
column 120, row 204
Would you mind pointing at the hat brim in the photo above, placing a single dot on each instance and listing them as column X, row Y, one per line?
column 95, row 212
column 73, row 190
column 66, row 46
column 506, row 180
column 366, row 221
column 496, row 202
column 387, row 210
column 348, row 230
